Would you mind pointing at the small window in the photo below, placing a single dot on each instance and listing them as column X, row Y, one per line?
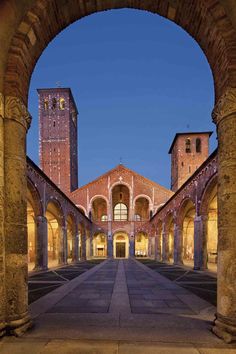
column 188, row 145
column 189, row 169
column 54, row 103
column 62, row 104
column 198, row 145
column 54, row 123
column 182, row 164
column 137, row 217
column 104, row 218
column 46, row 104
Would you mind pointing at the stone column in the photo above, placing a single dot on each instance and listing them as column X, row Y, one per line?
column 178, row 244
column 131, row 245
column 3, row 302
column 91, row 244
column 200, row 242
column 224, row 116
column 165, row 248
column 62, row 259
column 83, row 247
column 158, row 247
column 16, row 122
column 41, row 256
column 110, row 246
column 75, row 245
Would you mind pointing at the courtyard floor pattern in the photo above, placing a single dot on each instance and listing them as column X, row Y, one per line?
column 41, row 283
column 201, row 283
column 119, row 307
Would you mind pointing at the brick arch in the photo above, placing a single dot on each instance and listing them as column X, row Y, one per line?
column 205, row 197
column 168, row 219
column 61, row 217
column 205, row 21
column 182, row 210
column 37, row 203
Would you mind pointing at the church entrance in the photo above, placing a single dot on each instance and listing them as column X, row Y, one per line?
column 121, row 245
column 120, row 250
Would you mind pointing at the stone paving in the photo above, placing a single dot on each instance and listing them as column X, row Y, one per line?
column 201, row 283
column 123, row 307
column 41, row 283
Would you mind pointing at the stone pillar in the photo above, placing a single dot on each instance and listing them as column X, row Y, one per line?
column 200, row 242
column 16, row 122
column 110, row 246
column 224, row 116
column 91, row 245
column 178, row 244
column 63, row 246
column 158, row 247
column 3, row 302
column 75, row 245
column 131, row 245
column 83, row 247
column 165, row 248
column 41, row 256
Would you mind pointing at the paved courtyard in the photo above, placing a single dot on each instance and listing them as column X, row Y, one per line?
column 119, row 306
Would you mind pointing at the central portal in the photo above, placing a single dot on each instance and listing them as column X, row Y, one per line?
column 120, row 250
column 121, row 245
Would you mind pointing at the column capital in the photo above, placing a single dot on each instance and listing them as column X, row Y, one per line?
column 225, row 106
column 41, row 218
column 200, row 218
column 13, row 108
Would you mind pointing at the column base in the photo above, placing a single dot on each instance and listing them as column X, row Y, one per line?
column 40, row 269
column 19, row 327
column 180, row 263
column 225, row 328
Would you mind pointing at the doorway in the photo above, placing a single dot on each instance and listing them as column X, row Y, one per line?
column 120, row 250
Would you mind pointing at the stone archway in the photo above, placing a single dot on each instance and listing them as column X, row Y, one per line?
column 25, row 32
column 120, row 244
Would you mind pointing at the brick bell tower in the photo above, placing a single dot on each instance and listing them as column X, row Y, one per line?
column 58, row 146
column 188, row 151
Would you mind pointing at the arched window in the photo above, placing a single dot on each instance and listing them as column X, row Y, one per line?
column 104, row 218
column 187, row 145
column 54, row 103
column 46, row 104
column 120, row 212
column 62, row 104
column 198, row 145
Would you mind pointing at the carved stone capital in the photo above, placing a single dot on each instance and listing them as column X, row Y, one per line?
column 15, row 109
column 225, row 106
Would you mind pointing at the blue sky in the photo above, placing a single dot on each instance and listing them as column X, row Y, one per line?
column 137, row 79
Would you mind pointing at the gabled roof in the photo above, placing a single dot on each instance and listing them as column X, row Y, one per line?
column 121, row 168
column 187, row 133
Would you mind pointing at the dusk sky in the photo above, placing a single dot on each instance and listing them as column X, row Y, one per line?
column 137, row 79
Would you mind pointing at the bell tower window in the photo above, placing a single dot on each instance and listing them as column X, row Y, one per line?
column 187, row 145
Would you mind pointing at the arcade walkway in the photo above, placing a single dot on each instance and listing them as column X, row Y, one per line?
column 119, row 306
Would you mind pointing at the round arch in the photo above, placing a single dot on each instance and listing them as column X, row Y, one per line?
column 56, row 223
column 209, row 23
column 81, row 209
column 99, row 208
column 29, row 35
column 206, row 194
column 34, row 197
column 120, row 244
column 186, row 216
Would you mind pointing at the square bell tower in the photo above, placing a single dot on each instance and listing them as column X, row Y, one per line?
column 58, row 138
column 188, row 151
